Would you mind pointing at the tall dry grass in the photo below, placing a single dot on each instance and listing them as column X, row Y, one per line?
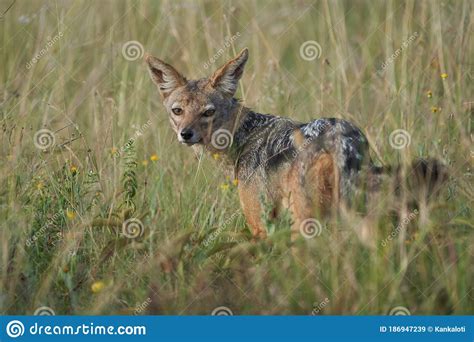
column 62, row 209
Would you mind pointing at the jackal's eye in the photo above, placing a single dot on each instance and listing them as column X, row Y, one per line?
column 209, row 112
column 177, row 111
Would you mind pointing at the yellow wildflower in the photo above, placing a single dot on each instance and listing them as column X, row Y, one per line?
column 224, row 186
column 97, row 286
column 70, row 214
column 435, row 109
column 216, row 156
column 444, row 75
column 154, row 157
column 73, row 169
column 235, row 182
column 429, row 94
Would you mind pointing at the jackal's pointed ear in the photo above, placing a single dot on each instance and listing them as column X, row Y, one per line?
column 164, row 75
column 227, row 77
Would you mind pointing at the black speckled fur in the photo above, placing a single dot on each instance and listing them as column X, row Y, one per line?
column 263, row 143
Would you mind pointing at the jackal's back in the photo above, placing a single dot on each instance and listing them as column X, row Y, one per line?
column 265, row 144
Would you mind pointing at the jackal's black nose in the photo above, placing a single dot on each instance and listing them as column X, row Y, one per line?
column 186, row 134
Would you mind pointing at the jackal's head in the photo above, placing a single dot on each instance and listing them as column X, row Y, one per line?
column 199, row 108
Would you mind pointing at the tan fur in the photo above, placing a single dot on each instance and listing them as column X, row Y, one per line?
column 323, row 178
column 306, row 183
column 309, row 194
column 252, row 209
column 306, row 187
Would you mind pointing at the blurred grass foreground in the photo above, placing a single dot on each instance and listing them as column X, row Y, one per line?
column 102, row 211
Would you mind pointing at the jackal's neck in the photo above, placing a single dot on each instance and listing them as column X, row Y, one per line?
column 249, row 127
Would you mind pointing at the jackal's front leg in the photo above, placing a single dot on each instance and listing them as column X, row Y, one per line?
column 252, row 208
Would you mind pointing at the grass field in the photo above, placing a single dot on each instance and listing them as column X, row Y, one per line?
column 86, row 150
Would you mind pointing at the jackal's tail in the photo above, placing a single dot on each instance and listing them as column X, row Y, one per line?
column 421, row 181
